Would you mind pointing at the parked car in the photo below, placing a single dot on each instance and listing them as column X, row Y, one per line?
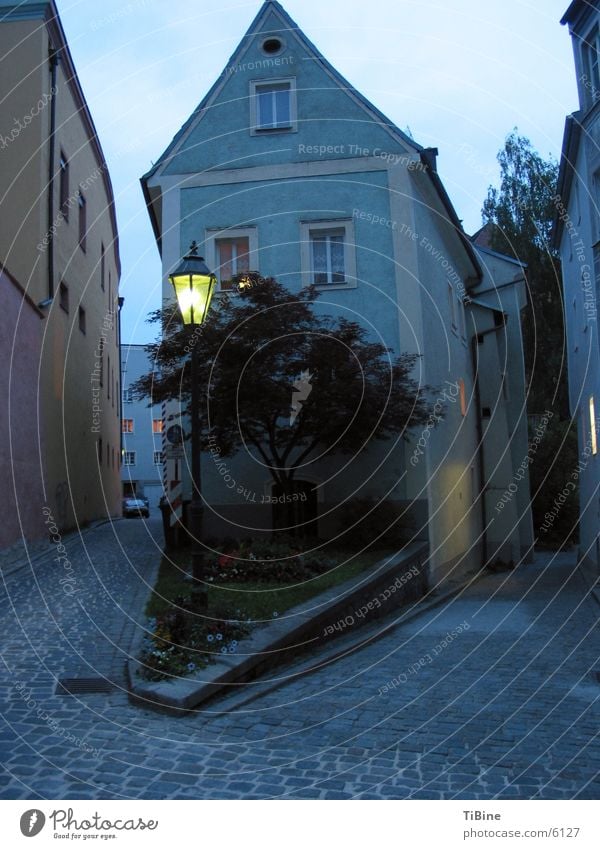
column 135, row 507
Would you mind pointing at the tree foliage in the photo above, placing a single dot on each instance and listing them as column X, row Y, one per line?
column 522, row 212
column 277, row 379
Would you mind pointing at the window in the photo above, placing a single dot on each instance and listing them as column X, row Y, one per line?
column 461, row 318
column 109, row 291
column 102, row 266
column 108, row 455
column 590, row 53
column 233, row 257
column 81, row 203
column 64, row 186
column 82, row 319
column 463, row 397
column 328, row 253
column 273, row 106
column 158, row 458
column 231, row 252
column 108, row 377
column 452, row 306
column 593, row 436
column 99, row 443
column 63, row 297
column 127, row 426
column 157, row 426
column 128, row 396
column 129, row 458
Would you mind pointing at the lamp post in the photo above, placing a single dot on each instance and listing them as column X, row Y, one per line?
column 194, row 286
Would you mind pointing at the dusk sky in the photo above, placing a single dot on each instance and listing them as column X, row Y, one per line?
column 459, row 74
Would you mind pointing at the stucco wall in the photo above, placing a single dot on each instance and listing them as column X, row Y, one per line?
column 21, row 469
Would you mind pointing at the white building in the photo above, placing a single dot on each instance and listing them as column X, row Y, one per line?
column 257, row 172
column 577, row 235
column 142, row 430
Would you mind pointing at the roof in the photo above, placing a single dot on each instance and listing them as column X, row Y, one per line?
column 577, row 9
column 567, row 171
column 32, row 10
column 289, row 25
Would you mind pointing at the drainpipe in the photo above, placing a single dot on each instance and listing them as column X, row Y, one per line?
column 476, row 340
column 53, row 57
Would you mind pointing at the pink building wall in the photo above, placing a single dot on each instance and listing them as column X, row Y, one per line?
column 21, row 473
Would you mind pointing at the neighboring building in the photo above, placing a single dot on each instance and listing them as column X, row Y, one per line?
column 286, row 169
column 577, row 236
column 59, row 244
column 142, row 426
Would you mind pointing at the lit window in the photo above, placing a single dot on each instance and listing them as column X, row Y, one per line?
column 230, row 252
column 593, row 426
column 64, row 186
column 82, row 219
column 273, row 105
column 463, row 397
column 328, row 254
column 129, row 458
column 233, row 257
column 127, row 426
column 157, row 426
column 158, row 458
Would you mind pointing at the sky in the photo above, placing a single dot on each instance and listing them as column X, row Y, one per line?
column 459, row 74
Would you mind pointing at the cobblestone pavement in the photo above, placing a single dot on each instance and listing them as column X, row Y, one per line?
column 490, row 695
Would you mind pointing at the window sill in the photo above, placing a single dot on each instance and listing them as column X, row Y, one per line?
column 328, row 287
column 272, row 131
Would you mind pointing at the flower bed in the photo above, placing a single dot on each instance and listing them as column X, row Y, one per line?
column 246, row 585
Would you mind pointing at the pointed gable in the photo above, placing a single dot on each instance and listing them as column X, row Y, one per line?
column 330, row 113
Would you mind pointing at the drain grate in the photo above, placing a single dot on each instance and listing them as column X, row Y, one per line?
column 76, row 686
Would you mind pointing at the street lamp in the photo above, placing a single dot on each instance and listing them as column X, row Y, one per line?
column 194, row 285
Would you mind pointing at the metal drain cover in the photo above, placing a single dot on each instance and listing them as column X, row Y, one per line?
column 75, row 686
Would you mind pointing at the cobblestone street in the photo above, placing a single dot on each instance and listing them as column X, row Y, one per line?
column 507, row 706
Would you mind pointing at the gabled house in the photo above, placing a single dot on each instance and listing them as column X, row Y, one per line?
column 577, row 237
column 286, row 169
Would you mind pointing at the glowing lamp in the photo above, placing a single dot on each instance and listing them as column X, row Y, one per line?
column 194, row 286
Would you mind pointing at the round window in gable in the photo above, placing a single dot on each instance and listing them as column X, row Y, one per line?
column 272, row 46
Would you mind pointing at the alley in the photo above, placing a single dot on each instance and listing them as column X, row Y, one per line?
column 494, row 694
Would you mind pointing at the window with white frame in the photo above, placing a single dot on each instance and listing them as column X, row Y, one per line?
column 127, row 426
column 128, row 396
column 157, row 425
column 273, row 105
column 328, row 253
column 230, row 252
column 158, row 458
column 129, row 458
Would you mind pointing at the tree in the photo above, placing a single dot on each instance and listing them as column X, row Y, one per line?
column 291, row 385
column 521, row 213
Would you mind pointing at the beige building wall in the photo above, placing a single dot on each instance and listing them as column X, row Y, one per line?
column 80, row 418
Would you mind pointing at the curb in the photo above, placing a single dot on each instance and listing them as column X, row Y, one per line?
column 327, row 659
column 265, row 646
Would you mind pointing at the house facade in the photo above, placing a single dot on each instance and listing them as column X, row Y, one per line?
column 577, row 236
column 59, row 243
column 142, row 427
column 284, row 168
